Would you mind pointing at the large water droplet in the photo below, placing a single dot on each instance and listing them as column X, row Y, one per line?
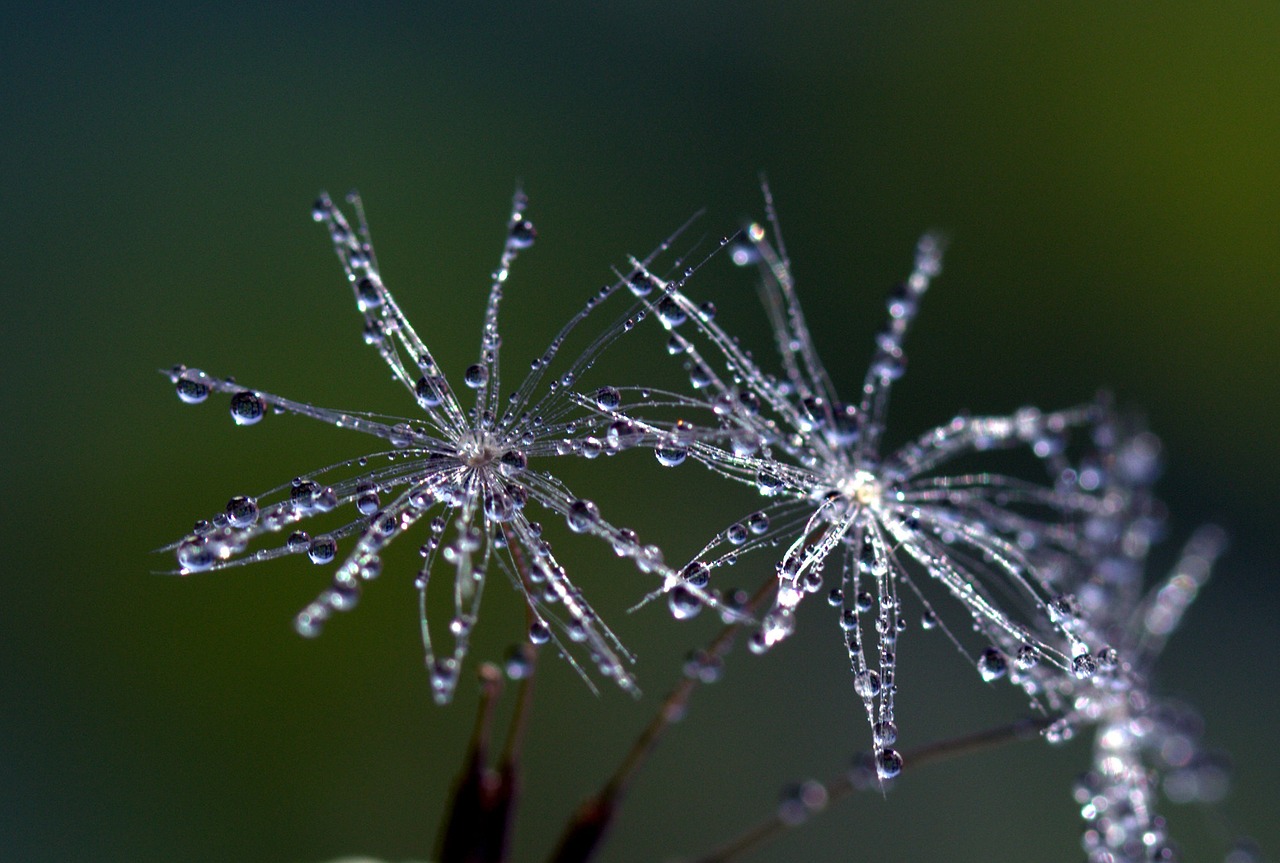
column 242, row 511
column 192, row 386
column 582, row 515
column 323, row 549
column 669, row 454
column 683, row 603
column 608, row 398
column 476, row 376
column 888, row 763
column 992, row 664
column 247, row 408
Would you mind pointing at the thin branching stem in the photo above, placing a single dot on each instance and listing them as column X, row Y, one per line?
column 862, row 775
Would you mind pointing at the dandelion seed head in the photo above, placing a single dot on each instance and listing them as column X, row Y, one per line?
column 467, row 473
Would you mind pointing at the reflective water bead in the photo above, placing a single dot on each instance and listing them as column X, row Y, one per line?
column 581, row 515
column 884, row 733
column 401, row 435
column 304, row 494
column 1084, row 666
column 696, row 573
column 247, row 408
column 671, row 312
column 928, row 620
column 757, row 523
column 323, row 549
column 368, row 293
column 669, row 455
column 683, row 603
column 867, row 684
column 367, row 502
column 1027, row 658
column 195, row 554
column 522, row 235
column 192, row 386
column 888, row 763
column 476, row 376
column 608, row 398
column 992, row 664
column 429, row 391
column 641, row 284
column 512, row 462
column 298, row 541
column 242, row 511
column 736, row 534
column 768, row 484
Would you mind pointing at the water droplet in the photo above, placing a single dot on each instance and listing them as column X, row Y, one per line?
column 368, row 293
column 1027, row 658
column 1084, row 666
column 866, row 684
column 671, row 312
column 429, row 391
column 323, row 549
column 247, row 408
column 242, row 511
column 736, row 534
column 522, row 235
column 928, row 620
column 476, row 376
column 608, row 398
column 641, row 284
column 582, row 515
column 367, row 502
column 401, row 435
column 884, row 733
column 195, row 555
column 192, row 386
column 888, row 763
column 669, row 454
column 992, row 664
column 768, row 484
column 696, row 573
column 298, row 541
column 683, row 603
column 512, row 462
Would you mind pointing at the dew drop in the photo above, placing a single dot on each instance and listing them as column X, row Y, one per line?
column 866, row 684
column 476, row 376
column 683, row 603
column 671, row 313
column 888, row 763
column 757, row 523
column 192, row 386
column 522, row 235
column 429, row 391
column 608, row 398
column 323, row 549
column 368, row 293
column 582, row 515
column 247, row 408
column 992, row 664
column 242, row 511
column 669, row 454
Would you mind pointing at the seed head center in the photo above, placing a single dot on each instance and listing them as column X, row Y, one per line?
column 862, row 488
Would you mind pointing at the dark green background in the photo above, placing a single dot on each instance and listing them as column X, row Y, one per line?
column 1109, row 174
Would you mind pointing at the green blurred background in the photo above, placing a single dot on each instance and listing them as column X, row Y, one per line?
column 1109, row 175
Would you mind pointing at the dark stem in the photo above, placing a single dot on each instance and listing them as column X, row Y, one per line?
column 593, row 818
